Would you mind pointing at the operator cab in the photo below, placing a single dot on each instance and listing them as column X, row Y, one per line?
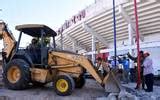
column 38, row 55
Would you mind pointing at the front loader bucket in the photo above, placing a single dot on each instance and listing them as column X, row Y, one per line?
column 112, row 85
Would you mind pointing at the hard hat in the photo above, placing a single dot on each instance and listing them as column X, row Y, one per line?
column 146, row 53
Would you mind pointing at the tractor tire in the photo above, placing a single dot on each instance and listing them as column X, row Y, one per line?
column 79, row 82
column 16, row 75
column 64, row 85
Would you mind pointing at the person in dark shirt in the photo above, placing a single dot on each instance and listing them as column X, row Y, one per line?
column 141, row 73
column 34, row 50
column 34, row 44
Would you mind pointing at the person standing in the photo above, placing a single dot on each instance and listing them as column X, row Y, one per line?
column 106, row 67
column 141, row 66
column 126, row 69
column 148, row 72
column 113, row 65
column 99, row 66
column 102, row 66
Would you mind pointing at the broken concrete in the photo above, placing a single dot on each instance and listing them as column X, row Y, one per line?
column 141, row 94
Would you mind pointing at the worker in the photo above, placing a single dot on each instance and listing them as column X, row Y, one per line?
column 141, row 68
column 102, row 66
column 113, row 63
column 106, row 67
column 34, row 44
column 148, row 72
column 34, row 49
column 99, row 66
column 126, row 70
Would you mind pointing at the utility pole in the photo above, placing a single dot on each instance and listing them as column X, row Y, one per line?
column 138, row 45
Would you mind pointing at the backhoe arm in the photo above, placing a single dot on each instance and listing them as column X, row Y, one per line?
column 83, row 61
column 9, row 41
column 109, row 81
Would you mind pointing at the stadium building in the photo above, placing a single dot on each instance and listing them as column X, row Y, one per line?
column 90, row 31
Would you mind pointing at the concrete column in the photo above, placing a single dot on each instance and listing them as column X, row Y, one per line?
column 93, row 49
column 73, row 46
column 130, row 42
column 61, row 41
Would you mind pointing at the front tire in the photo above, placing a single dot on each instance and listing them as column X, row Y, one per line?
column 16, row 74
column 64, row 85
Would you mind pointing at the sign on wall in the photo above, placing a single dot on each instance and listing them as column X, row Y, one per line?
column 72, row 21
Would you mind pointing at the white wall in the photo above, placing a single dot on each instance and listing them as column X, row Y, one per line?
column 152, row 37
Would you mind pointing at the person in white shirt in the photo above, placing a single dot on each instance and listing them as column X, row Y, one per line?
column 148, row 72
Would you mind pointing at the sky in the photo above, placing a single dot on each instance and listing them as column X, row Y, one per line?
column 52, row 13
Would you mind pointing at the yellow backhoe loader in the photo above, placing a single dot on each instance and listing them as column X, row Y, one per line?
column 42, row 64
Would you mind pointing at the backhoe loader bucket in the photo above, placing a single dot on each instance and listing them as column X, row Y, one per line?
column 112, row 85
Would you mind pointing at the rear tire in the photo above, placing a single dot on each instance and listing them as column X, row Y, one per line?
column 16, row 74
column 64, row 85
column 79, row 82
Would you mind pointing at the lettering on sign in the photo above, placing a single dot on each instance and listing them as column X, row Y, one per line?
column 72, row 21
